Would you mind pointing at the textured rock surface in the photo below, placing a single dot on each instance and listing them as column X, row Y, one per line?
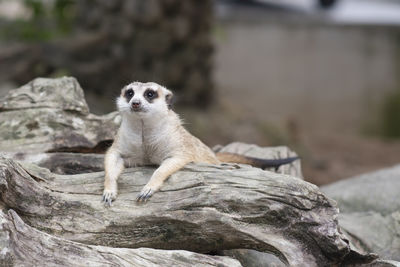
column 253, row 258
column 22, row 245
column 377, row 191
column 248, row 257
column 52, row 115
column 370, row 211
column 60, row 94
column 201, row 209
column 373, row 232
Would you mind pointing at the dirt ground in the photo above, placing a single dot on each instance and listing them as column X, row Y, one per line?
column 335, row 157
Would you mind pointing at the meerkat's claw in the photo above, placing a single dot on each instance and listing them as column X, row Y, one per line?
column 108, row 197
column 144, row 195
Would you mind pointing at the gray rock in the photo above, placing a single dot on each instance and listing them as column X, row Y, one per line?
column 377, row 191
column 62, row 94
column 373, row 232
column 370, row 211
column 22, row 245
column 51, row 115
column 203, row 208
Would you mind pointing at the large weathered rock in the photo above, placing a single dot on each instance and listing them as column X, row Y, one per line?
column 377, row 191
column 370, row 211
column 59, row 94
column 373, row 232
column 22, row 245
column 51, row 115
column 201, row 209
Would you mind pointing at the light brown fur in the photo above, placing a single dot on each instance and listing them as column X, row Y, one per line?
column 151, row 133
column 154, row 136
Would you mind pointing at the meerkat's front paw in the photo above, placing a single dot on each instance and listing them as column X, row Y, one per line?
column 109, row 196
column 145, row 194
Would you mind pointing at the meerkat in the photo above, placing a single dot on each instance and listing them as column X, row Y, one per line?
column 151, row 133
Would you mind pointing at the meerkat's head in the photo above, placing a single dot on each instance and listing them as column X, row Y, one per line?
column 144, row 99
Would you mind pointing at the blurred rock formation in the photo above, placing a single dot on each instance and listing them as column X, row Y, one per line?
column 116, row 42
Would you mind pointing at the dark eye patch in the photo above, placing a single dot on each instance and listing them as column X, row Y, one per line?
column 129, row 94
column 150, row 95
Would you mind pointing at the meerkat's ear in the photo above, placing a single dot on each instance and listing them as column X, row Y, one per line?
column 123, row 90
column 168, row 98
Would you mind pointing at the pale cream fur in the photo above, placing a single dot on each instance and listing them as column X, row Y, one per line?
column 154, row 135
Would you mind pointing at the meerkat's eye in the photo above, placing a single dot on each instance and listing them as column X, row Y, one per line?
column 129, row 93
column 150, row 94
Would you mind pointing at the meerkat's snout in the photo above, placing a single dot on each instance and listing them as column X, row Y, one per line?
column 136, row 105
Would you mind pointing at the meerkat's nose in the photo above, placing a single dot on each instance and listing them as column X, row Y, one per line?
column 135, row 104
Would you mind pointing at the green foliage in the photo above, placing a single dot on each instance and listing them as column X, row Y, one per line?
column 391, row 116
column 48, row 21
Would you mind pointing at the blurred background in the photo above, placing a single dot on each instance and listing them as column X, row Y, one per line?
column 319, row 76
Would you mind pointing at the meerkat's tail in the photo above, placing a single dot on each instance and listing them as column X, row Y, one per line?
column 256, row 162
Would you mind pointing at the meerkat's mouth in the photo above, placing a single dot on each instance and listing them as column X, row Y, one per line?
column 138, row 109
